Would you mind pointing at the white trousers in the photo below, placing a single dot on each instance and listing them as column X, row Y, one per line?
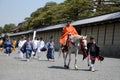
column 21, row 55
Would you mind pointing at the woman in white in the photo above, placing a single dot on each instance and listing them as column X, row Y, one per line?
column 20, row 44
column 40, row 45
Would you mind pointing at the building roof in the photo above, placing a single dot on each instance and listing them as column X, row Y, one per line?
column 94, row 19
column 20, row 33
column 51, row 27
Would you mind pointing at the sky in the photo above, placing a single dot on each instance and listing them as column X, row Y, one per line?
column 15, row 11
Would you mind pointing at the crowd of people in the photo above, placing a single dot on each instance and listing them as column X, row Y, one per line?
column 27, row 47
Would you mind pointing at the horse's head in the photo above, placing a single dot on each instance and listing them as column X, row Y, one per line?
column 83, row 42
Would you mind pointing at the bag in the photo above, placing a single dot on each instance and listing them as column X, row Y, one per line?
column 43, row 49
column 22, row 49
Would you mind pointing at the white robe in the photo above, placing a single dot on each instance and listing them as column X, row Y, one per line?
column 40, row 45
column 35, row 42
column 20, row 44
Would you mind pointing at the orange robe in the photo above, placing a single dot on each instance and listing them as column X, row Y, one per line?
column 66, row 30
column 14, row 45
column 1, row 41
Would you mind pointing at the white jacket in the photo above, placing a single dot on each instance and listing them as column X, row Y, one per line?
column 40, row 45
column 21, row 43
column 35, row 42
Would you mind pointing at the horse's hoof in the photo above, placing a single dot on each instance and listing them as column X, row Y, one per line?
column 76, row 68
column 67, row 67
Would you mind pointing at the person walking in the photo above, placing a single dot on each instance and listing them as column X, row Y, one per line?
column 40, row 46
column 8, row 46
column 20, row 44
column 14, row 42
column 35, row 43
column 50, row 49
column 28, row 48
column 1, row 43
column 93, row 53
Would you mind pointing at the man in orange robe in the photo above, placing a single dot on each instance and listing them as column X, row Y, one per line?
column 68, row 29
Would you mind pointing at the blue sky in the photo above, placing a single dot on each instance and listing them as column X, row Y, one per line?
column 15, row 11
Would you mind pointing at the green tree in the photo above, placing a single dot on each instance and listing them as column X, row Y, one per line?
column 9, row 27
column 79, row 8
column 49, row 5
column 107, row 6
column 1, row 30
column 53, row 13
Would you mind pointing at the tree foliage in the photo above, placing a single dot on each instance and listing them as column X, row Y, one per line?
column 108, row 6
column 53, row 13
column 1, row 30
column 9, row 27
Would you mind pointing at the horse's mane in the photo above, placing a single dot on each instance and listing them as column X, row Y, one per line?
column 76, row 37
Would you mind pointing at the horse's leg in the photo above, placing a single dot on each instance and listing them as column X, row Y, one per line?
column 76, row 54
column 69, row 59
column 65, row 57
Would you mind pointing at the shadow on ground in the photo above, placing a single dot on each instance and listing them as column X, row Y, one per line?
column 56, row 67
column 60, row 67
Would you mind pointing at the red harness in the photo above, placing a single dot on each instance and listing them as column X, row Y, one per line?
column 82, row 49
column 85, row 54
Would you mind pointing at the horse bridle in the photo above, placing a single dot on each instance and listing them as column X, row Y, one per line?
column 83, row 50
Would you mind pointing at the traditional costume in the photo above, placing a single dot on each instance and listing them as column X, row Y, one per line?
column 68, row 29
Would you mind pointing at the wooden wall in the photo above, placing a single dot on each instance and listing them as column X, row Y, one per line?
column 107, row 36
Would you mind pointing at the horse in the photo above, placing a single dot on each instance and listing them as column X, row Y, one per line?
column 74, row 44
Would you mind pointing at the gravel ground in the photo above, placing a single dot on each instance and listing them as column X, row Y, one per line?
column 13, row 68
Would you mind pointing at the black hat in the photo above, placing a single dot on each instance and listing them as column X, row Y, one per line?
column 91, row 38
column 51, row 37
column 68, row 21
